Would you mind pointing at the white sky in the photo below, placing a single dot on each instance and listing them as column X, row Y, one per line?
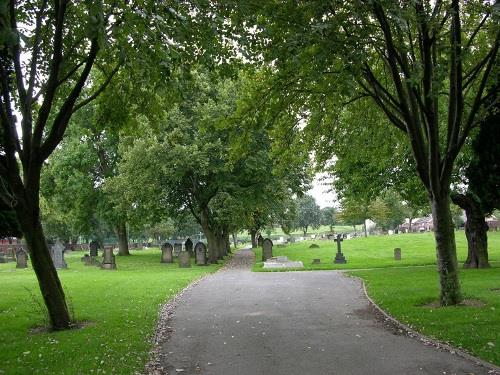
column 320, row 191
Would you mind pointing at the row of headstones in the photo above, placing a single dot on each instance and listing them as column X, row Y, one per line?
column 200, row 253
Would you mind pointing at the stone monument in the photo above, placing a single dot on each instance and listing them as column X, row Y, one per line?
column 200, row 251
column 184, row 260
column 177, row 248
column 21, row 258
column 93, row 248
column 57, row 254
column 108, row 261
column 339, row 257
column 397, row 253
column 267, row 249
column 188, row 245
column 166, row 253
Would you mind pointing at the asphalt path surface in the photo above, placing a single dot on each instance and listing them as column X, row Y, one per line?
column 310, row 323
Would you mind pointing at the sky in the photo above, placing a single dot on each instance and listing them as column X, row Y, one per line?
column 320, row 192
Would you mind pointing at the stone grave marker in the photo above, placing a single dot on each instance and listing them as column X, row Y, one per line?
column 282, row 262
column 89, row 260
column 267, row 249
column 166, row 253
column 177, row 248
column 316, row 261
column 397, row 253
column 260, row 240
column 184, row 259
column 188, row 245
column 200, row 251
column 57, row 254
column 339, row 257
column 93, row 248
column 21, row 258
column 108, row 261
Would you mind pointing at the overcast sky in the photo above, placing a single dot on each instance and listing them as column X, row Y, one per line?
column 320, row 192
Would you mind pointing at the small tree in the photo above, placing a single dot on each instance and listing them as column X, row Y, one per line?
column 308, row 213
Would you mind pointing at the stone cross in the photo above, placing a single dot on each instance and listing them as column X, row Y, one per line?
column 93, row 247
column 339, row 257
column 397, row 253
column 21, row 258
column 166, row 253
column 184, row 259
column 177, row 249
column 108, row 262
column 267, row 249
column 188, row 245
column 200, row 251
column 57, row 253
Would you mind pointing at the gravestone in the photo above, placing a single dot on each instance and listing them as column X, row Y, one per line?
column 57, row 254
column 188, row 245
column 184, row 259
column 177, row 249
column 21, row 258
column 339, row 257
column 108, row 261
column 89, row 261
column 166, row 253
column 260, row 240
column 397, row 253
column 93, row 248
column 200, row 251
column 282, row 262
column 316, row 261
column 267, row 249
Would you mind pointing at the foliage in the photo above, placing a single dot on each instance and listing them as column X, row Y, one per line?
column 117, row 313
column 308, row 213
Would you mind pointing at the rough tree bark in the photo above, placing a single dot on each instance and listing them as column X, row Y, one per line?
column 253, row 238
column 475, row 230
column 121, row 233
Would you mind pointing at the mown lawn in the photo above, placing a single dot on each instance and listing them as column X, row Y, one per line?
column 402, row 292
column 120, row 308
column 418, row 249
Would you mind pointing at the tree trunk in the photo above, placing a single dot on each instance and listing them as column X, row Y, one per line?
column 121, row 232
column 410, row 220
column 253, row 236
column 235, row 241
column 48, row 279
column 446, row 251
column 364, row 228
column 475, row 231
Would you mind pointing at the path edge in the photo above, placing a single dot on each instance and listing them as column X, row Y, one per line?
column 494, row 370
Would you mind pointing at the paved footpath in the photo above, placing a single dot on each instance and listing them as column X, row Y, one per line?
column 237, row 322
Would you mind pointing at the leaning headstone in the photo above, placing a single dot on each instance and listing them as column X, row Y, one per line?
column 57, row 253
column 316, row 261
column 108, row 261
column 184, row 259
column 93, row 248
column 21, row 258
column 177, row 249
column 200, row 251
column 260, row 240
column 397, row 253
column 166, row 253
column 339, row 257
column 188, row 245
column 267, row 249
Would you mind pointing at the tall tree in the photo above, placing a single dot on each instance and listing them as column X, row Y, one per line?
column 308, row 213
column 425, row 64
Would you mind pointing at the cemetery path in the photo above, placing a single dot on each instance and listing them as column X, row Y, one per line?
column 237, row 322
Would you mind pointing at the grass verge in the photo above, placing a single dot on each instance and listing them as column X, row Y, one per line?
column 404, row 292
column 418, row 249
column 120, row 309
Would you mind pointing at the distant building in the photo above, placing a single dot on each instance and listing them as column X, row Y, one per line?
column 418, row 224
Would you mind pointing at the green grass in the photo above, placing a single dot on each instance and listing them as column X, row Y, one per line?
column 418, row 249
column 121, row 308
column 401, row 292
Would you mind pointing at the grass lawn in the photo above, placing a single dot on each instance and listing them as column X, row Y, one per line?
column 417, row 249
column 121, row 308
column 402, row 292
